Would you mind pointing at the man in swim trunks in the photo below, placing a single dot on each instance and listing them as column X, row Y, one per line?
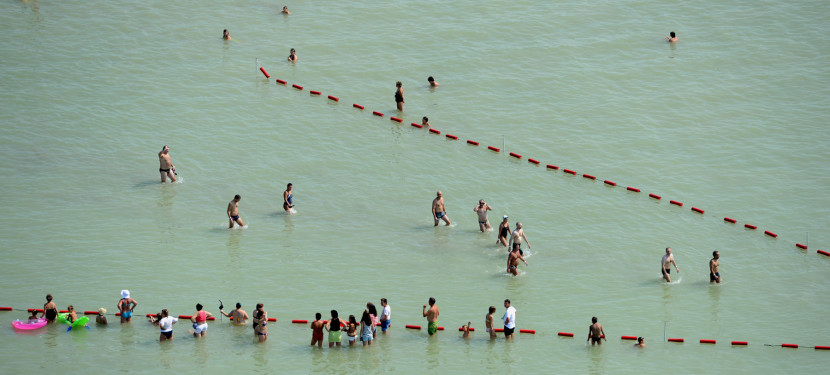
column 238, row 316
column 233, row 212
column 385, row 316
column 200, row 321
column 595, row 333
column 481, row 210
column 399, row 95
column 438, row 210
column 714, row 275
column 166, row 167
column 665, row 265
column 432, row 316
column 50, row 310
column 513, row 260
column 509, row 319
column 504, row 231
column 317, row 330
column 488, row 322
column 126, row 305
column 516, row 237
column 288, row 199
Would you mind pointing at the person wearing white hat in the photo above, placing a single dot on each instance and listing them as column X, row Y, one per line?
column 126, row 306
column 101, row 319
column 504, row 231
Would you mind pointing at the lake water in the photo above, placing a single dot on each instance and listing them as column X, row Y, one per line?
column 731, row 119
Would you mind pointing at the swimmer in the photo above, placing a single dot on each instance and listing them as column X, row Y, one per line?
column 665, row 265
column 285, row 10
column 288, row 199
column 399, row 95
column 481, row 210
column 166, row 325
column 238, row 316
column 50, row 310
column 504, row 231
column 438, row 210
column 200, row 321
column 516, row 237
column 672, row 37
column 432, row 82
column 292, row 56
column 166, row 167
column 466, row 328
column 513, row 260
column 226, row 35
column 126, row 305
column 432, row 316
column 317, row 330
column 101, row 319
column 509, row 319
column 488, row 322
column 640, row 343
column 714, row 275
column 233, row 212
column 260, row 323
column 425, row 121
column 71, row 315
column 595, row 333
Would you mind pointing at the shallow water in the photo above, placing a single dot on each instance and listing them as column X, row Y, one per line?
column 731, row 120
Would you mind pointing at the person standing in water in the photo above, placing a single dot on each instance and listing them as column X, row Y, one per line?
column 126, row 305
column 333, row 326
column 50, row 310
column 200, row 321
column 488, row 322
column 166, row 167
column 714, row 263
column 432, row 316
column 509, row 319
column 226, row 35
column 481, row 209
column 513, row 260
column 504, row 231
column 432, row 82
column 438, row 210
column 285, row 10
column 640, row 343
column 233, row 212
column 595, row 333
column 260, row 323
column 292, row 56
column 238, row 316
column 166, row 325
column 101, row 318
column 399, row 95
column 665, row 265
column 516, row 238
column 317, row 330
column 672, row 38
column 385, row 316
column 366, row 328
column 288, row 199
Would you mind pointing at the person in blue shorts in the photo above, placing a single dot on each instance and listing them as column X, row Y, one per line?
column 385, row 316
column 126, row 305
column 439, row 212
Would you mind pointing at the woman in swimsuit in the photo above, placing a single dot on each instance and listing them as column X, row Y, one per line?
column 260, row 323
column 351, row 330
column 366, row 328
column 288, row 199
column 504, row 232
column 399, row 95
column 50, row 310
column 373, row 313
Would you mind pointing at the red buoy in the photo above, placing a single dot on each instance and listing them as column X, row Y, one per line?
column 534, row 161
column 768, row 233
column 567, row 334
column 419, row 126
column 281, row 82
column 299, row 321
column 269, row 319
column 731, row 220
column 633, row 189
column 499, row 329
column 675, row 340
column 568, row 171
column 88, row 312
column 795, row 346
column 655, row 196
column 533, row 331
column 440, row 328
column 376, row 113
column 395, row 119
column 822, row 252
column 750, row 226
column 185, row 316
column 800, row 246
column 588, row 176
column 740, row 343
column 695, row 209
column 549, row 166
column 261, row 69
column 676, row 203
column 474, row 143
column 314, row 92
column 515, row 155
column 296, row 86
column 450, row 136
column 410, row 326
column 38, row 310
column 436, row 131
column 491, row 148
column 705, row 341
column 357, row 106
column 820, row 347
column 336, row 99
column 612, row 183
column 628, row 338
column 10, row 309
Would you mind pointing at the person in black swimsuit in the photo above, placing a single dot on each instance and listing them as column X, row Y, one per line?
column 50, row 310
column 504, row 232
column 399, row 96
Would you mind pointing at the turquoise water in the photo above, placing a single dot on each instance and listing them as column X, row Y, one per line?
column 731, row 119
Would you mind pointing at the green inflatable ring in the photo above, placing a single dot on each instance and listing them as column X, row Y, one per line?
column 80, row 322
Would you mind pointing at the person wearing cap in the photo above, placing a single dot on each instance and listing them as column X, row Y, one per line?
column 481, row 209
column 101, row 319
column 166, row 167
column 126, row 305
column 238, row 317
column 504, row 231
